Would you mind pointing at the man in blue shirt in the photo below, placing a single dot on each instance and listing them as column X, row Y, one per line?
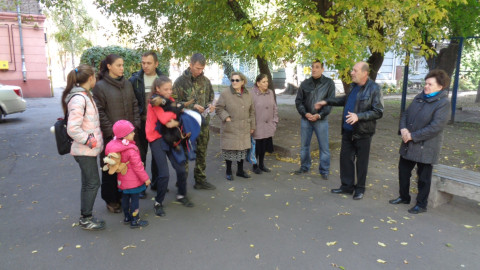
column 363, row 105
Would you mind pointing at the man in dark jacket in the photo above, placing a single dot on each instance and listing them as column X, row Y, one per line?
column 312, row 90
column 193, row 84
column 142, row 83
column 363, row 106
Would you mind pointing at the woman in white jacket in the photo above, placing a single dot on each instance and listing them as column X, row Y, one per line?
column 84, row 128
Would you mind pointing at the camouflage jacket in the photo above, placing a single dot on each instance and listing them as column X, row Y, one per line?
column 187, row 87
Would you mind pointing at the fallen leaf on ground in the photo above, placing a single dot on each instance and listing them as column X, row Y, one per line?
column 355, row 243
column 257, row 256
column 405, row 261
column 331, row 243
column 232, row 189
column 35, row 251
column 268, row 195
column 362, row 220
column 252, row 245
column 60, row 248
column 394, row 229
column 468, row 226
column 403, row 243
column 381, row 244
column 78, row 246
column 129, row 246
column 381, row 261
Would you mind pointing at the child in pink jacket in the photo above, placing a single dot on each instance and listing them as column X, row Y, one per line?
column 135, row 179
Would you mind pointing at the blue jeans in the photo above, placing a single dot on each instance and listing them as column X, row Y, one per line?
column 320, row 127
column 90, row 183
column 130, row 203
column 160, row 150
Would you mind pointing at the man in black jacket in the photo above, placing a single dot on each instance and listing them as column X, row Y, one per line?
column 312, row 90
column 142, row 83
column 363, row 106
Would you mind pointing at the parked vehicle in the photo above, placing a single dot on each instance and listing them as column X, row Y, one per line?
column 11, row 100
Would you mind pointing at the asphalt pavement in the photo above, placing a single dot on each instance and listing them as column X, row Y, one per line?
column 271, row 221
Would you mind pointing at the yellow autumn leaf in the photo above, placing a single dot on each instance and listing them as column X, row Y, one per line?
column 232, row 189
column 78, row 246
column 381, row 261
column 331, row 243
column 35, row 251
column 403, row 243
column 362, row 220
column 355, row 243
column 286, row 203
column 394, row 229
column 268, row 195
column 229, row 228
column 257, row 256
column 252, row 245
column 468, row 226
column 60, row 248
column 381, row 244
column 129, row 246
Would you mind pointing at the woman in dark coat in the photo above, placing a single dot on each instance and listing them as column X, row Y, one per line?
column 421, row 128
column 115, row 100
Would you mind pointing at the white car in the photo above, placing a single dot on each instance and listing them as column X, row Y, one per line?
column 11, row 100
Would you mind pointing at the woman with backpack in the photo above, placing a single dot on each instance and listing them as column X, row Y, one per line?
column 83, row 127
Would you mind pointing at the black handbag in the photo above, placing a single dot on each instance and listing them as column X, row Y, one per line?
column 63, row 140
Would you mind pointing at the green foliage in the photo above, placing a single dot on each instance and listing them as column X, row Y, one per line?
column 388, row 89
column 131, row 58
column 341, row 33
column 72, row 24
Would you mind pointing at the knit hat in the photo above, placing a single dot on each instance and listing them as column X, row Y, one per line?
column 122, row 128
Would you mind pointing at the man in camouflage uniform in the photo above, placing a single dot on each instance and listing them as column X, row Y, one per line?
column 193, row 84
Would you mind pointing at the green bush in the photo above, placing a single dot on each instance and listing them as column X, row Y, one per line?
column 131, row 58
column 390, row 89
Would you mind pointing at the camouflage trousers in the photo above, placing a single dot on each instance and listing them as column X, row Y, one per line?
column 201, row 153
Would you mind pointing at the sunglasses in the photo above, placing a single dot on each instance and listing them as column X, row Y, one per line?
column 236, row 80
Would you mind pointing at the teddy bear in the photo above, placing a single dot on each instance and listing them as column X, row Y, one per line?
column 113, row 164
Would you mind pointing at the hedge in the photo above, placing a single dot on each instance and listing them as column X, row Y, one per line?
column 131, row 58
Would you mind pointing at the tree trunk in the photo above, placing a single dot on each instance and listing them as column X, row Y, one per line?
column 446, row 58
column 263, row 67
column 262, row 63
column 375, row 61
column 477, row 99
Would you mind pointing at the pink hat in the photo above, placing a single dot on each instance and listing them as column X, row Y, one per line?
column 122, row 128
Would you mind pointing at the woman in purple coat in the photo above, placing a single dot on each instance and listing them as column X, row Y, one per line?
column 266, row 118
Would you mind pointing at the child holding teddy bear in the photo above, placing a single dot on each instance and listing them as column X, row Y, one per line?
column 135, row 180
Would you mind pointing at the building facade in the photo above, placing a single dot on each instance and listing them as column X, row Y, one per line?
column 31, row 75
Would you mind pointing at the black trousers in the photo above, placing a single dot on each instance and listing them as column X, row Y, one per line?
column 354, row 155
column 424, row 173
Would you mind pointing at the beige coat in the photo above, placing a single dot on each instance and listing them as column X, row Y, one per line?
column 235, row 135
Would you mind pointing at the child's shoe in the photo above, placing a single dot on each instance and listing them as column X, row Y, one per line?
column 137, row 223
column 127, row 220
column 91, row 223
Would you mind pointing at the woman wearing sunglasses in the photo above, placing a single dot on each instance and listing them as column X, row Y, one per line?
column 235, row 109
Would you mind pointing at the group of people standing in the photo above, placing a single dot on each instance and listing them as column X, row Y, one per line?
column 108, row 113
column 116, row 114
column 421, row 128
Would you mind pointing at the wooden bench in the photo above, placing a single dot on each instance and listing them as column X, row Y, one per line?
column 448, row 181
